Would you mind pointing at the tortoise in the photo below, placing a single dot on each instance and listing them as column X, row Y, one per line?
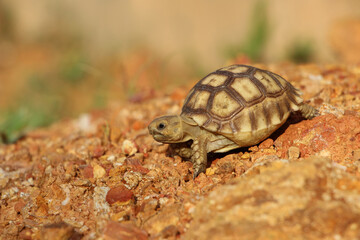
column 235, row 106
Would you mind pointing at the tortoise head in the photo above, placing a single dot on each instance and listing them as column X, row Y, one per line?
column 167, row 129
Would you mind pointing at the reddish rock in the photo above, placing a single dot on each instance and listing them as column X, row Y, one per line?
column 136, row 166
column 119, row 194
column 129, row 147
column 327, row 134
column 98, row 152
column 281, row 201
column 88, row 171
column 119, row 231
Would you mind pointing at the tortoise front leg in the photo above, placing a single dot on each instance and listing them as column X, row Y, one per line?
column 199, row 155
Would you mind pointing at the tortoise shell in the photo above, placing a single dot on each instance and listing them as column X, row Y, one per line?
column 243, row 103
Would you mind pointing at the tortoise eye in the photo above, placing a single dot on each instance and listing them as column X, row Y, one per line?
column 161, row 126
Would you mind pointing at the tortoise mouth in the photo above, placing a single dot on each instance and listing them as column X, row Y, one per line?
column 156, row 134
column 163, row 139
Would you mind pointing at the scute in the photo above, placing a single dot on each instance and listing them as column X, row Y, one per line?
column 269, row 83
column 235, row 69
column 224, row 105
column 199, row 100
column 212, row 126
column 246, row 88
column 214, row 80
column 242, row 121
column 282, row 81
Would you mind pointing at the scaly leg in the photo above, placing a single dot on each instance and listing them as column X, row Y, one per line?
column 199, row 155
column 308, row 111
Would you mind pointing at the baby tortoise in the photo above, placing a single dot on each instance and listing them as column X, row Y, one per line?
column 235, row 106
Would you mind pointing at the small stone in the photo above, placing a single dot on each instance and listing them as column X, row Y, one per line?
column 269, row 151
column 98, row 171
column 254, row 148
column 325, row 153
column 136, row 166
column 246, row 155
column 119, row 216
column 111, row 158
column 132, row 179
column 98, row 152
column 81, row 183
column 210, row 171
column 88, row 172
column 129, row 147
column 163, row 201
column 293, row 153
column 119, row 194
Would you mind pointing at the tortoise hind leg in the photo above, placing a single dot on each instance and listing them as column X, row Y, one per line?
column 308, row 111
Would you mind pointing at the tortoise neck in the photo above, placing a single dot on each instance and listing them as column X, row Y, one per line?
column 190, row 129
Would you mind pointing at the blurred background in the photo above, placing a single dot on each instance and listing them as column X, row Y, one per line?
column 61, row 58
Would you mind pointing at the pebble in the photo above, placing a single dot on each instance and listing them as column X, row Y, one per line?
column 129, row 147
column 98, row 152
column 119, row 194
column 246, row 155
column 132, row 179
column 98, row 171
column 293, row 153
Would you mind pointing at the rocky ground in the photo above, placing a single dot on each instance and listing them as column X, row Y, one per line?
column 103, row 176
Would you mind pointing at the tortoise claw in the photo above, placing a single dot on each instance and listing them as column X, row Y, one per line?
column 198, row 170
column 195, row 175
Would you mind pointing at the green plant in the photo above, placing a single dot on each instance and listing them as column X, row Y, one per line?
column 17, row 121
column 301, row 51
